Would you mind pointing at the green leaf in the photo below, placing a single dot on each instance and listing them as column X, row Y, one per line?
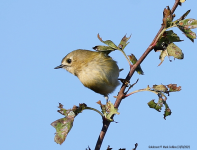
column 133, row 59
column 175, row 51
column 123, row 42
column 171, row 37
column 172, row 50
column 167, row 38
column 108, row 110
column 154, row 105
column 108, row 42
column 104, row 49
column 111, row 110
column 188, row 23
column 167, row 111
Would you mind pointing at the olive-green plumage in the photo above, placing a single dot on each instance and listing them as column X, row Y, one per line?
column 96, row 70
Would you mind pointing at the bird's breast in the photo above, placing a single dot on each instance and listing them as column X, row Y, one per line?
column 100, row 76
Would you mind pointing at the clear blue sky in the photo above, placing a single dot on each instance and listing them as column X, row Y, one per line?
column 36, row 35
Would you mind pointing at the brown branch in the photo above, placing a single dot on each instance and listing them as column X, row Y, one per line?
column 121, row 94
column 102, row 133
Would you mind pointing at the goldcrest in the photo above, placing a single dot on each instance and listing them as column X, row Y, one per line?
column 96, row 70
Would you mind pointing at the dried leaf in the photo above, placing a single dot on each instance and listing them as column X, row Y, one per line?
column 160, row 88
column 162, row 56
column 99, row 102
column 79, row 109
column 123, row 42
column 173, row 87
column 65, row 112
column 167, row 17
column 103, row 108
column 62, row 126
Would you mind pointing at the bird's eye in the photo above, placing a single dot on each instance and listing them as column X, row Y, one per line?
column 69, row 60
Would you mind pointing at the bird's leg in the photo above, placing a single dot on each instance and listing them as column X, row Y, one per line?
column 106, row 97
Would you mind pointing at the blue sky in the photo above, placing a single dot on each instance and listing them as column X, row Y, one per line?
column 36, row 35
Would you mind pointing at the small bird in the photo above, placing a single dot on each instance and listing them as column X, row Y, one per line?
column 96, row 70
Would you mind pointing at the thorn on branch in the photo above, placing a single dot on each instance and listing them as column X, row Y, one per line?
column 130, row 66
column 131, row 86
column 108, row 148
column 88, row 148
column 121, row 70
column 124, row 81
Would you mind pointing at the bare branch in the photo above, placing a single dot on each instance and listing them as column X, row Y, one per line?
column 135, row 146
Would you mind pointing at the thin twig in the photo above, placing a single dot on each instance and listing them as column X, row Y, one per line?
column 90, row 108
column 121, row 93
column 135, row 146
column 127, row 58
column 131, row 86
column 141, row 90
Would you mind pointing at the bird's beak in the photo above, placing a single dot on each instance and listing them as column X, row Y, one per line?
column 60, row 66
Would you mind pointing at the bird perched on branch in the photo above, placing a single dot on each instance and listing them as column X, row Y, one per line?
column 96, row 70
